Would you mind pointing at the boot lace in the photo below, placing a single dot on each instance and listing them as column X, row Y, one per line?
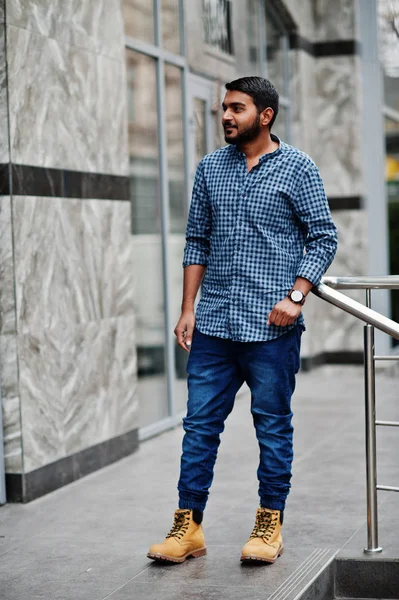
column 180, row 525
column 265, row 525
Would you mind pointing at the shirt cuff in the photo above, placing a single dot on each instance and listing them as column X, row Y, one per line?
column 313, row 272
column 194, row 256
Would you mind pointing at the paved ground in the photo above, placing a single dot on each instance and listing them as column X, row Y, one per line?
column 88, row 541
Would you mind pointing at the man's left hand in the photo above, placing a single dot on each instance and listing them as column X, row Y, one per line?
column 284, row 313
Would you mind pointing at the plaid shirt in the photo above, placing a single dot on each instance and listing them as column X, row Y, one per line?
column 251, row 229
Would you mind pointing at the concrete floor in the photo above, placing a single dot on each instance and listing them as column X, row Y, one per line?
column 88, row 541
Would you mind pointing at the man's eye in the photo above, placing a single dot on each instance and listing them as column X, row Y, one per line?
column 238, row 109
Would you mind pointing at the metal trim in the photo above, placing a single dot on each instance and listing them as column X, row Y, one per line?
column 155, row 52
column 387, row 282
column 369, row 316
column 164, row 192
column 388, row 488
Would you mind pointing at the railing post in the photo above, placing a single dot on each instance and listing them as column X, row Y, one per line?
column 371, row 461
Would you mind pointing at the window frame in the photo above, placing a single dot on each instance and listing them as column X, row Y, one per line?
column 163, row 57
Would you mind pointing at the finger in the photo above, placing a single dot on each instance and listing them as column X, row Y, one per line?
column 272, row 317
column 189, row 333
column 180, row 336
column 268, row 319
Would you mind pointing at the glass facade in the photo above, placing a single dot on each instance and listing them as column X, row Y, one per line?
column 139, row 20
column 172, row 124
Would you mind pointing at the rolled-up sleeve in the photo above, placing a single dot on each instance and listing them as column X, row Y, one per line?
column 311, row 208
column 198, row 232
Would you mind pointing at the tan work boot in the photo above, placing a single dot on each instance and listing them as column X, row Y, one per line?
column 265, row 542
column 185, row 539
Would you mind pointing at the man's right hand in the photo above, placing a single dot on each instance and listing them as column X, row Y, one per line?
column 184, row 329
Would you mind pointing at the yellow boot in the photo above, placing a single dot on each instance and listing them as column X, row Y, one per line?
column 265, row 542
column 185, row 539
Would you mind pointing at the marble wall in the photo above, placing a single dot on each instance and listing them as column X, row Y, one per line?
column 338, row 124
column 67, row 107
column 68, row 364
column 327, row 125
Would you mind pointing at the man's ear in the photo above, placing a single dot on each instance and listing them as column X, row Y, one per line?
column 266, row 116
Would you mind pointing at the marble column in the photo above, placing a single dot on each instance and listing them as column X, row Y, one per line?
column 327, row 112
column 67, row 311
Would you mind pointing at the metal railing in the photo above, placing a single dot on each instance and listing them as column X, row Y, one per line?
column 327, row 291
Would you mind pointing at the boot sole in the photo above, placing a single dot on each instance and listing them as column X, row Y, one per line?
column 255, row 558
column 164, row 558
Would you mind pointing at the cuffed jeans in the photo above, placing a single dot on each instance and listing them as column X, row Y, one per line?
column 217, row 368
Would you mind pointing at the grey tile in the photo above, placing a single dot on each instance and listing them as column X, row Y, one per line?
column 60, row 570
column 187, row 591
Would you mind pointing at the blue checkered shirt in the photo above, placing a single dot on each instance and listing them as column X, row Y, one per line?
column 256, row 232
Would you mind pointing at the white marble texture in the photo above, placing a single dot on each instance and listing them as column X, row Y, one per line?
column 334, row 20
column 7, row 298
column 78, row 388
column 303, row 15
column 74, row 261
column 93, row 25
column 303, row 86
column 338, row 122
column 11, row 404
column 329, row 328
column 4, row 148
column 67, row 109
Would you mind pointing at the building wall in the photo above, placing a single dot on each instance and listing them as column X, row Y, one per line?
column 68, row 363
column 327, row 121
column 75, row 297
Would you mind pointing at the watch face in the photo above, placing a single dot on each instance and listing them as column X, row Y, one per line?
column 296, row 296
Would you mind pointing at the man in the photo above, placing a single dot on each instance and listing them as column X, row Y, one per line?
column 257, row 204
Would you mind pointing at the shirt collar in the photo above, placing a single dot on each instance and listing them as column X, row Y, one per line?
column 264, row 157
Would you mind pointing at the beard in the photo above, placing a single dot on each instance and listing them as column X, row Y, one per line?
column 249, row 134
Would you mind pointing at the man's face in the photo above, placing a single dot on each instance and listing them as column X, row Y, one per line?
column 241, row 120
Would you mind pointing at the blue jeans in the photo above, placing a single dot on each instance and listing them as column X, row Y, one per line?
column 217, row 368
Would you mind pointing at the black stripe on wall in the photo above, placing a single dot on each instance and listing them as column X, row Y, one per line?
column 42, row 181
column 60, row 183
column 322, row 49
column 22, row 487
column 345, row 202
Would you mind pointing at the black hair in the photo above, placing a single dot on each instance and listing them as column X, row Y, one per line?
column 262, row 92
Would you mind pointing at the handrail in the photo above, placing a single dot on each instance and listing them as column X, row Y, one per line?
column 372, row 319
column 357, row 309
column 389, row 282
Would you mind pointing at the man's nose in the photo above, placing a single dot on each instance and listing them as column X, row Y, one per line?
column 227, row 117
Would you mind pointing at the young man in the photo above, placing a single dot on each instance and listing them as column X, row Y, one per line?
column 257, row 204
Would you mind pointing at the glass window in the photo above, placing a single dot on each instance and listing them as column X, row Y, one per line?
column 139, row 19
column 199, row 108
column 147, row 238
column 175, row 148
column 217, row 24
column 275, row 55
column 171, row 25
column 177, row 213
column 253, row 37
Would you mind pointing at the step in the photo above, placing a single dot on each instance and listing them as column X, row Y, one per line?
column 355, row 578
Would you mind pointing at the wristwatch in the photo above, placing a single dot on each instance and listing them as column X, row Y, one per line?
column 297, row 297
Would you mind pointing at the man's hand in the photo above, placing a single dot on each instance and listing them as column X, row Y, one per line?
column 284, row 313
column 184, row 329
